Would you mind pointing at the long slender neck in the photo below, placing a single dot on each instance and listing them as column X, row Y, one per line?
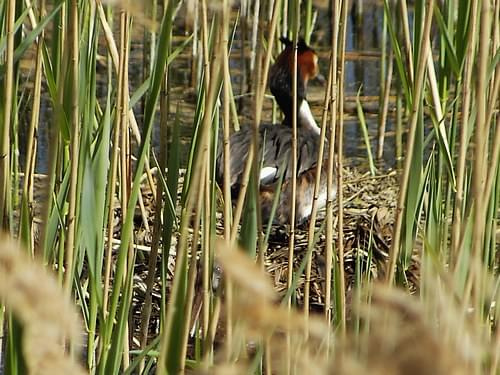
column 305, row 118
column 280, row 83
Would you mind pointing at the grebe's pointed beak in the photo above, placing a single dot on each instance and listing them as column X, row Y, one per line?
column 320, row 78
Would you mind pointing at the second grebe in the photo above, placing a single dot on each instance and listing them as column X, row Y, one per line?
column 276, row 142
column 281, row 81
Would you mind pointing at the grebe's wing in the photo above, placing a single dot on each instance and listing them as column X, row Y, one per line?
column 274, row 153
column 276, row 145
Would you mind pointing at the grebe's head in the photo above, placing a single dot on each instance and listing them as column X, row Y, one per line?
column 281, row 80
column 307, row 59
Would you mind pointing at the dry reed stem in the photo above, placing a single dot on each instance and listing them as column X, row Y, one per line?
column 456, row 250
column 291, row 242
column 31, row 147
column 495, row 90
column 197, row 188
column 259, row 77
column 261, row 74
column 481, row 142
column 7, row 112
column 125, row 153
column 227, row 165
column 317, row 182
column 158, row 223
column 210, row 336
column 113, row 52
column 73, row 46
column 331, row 162
column 495, row 149
column 418, row 89
column 135, row 9
column 121, row 117
column 225, row 124
column 340, row 155
column 195, row 54
column 45, row 312
column 205, row 35
column 255, row 25
column 407, row 40
column 206, row 82
column 385, row 106
column 260, row 91
column 113, row 175
column 238, row 210
column 192, row 272
column 31, row 14
column 436, row 103
column 202, row 199
column 181, row 255
column 495, row 154
column 257, row 160
column 112, row 182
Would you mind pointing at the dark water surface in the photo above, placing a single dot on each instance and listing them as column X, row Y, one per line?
column 363, row 45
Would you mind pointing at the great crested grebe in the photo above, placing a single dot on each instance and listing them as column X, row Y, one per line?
column 276, row 142
column 280, row 82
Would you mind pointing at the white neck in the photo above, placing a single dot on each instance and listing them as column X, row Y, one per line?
column 306, row 118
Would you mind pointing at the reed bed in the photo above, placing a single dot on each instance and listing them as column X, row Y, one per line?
column 111, row 116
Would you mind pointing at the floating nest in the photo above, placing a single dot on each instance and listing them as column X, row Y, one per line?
column 369, row 213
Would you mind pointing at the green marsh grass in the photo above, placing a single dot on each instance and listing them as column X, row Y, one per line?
column 107, row 180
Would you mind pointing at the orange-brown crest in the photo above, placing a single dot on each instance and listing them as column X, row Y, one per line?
column 308, row 64
column 307, row 59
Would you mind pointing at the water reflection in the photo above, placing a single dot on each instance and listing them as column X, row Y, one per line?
column 362, row 69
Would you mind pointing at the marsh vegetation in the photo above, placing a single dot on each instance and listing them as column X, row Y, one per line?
column 122, row 255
